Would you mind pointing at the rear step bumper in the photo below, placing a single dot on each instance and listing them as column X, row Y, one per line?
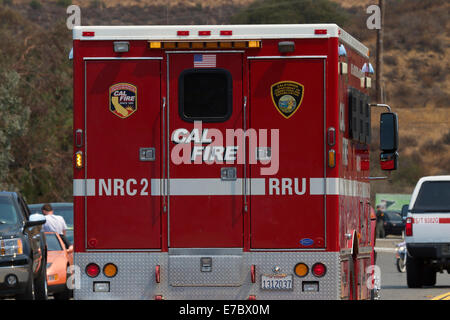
column 429, row 250
column 206, row 276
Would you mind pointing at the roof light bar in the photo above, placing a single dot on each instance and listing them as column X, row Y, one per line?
column 204, row 44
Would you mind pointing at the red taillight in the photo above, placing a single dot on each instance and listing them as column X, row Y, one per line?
column 92, row 270
column 204, row 33
column 158, row 274
column 320, row 31
column 319, row 269
column 182, row 33
column 253, row 273
column 88, row 34
column 409, row 227
column 226, row 33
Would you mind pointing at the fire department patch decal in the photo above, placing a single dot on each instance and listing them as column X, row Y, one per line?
column 122, row 99
column 287, row 97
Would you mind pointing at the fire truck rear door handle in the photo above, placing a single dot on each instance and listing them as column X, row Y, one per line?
column 147, row 154
column 228, row 174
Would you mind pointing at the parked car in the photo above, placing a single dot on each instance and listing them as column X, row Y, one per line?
column 427, row 231
column 59, row 259
column 64, row 209
column 393, row 223
column 23, row 253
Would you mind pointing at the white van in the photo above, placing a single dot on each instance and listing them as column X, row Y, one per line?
column 427, row 231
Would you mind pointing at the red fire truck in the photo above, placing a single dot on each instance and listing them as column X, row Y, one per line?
column 223, row 162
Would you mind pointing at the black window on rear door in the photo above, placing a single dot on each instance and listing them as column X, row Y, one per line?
column 205, row 95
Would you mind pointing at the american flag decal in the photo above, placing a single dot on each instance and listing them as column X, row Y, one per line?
column 204, row 60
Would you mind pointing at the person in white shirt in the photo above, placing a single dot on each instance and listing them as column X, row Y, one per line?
column 54, row 223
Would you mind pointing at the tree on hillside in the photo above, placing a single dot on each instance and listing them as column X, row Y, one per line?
column 13, row 121
column 291, row 11
column 35, row 108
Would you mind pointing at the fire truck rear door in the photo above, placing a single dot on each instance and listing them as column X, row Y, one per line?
column 288, row 94
column 205, row 202
column 123, row 153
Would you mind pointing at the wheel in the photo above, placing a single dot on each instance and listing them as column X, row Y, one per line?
column 401, row 265
column 429, row 276
column 29, row 290
column 414, row 272
column 40, row 283
column 67, row 293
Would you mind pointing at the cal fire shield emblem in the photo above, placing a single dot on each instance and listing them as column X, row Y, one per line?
column 123, row 99
column 287, row 97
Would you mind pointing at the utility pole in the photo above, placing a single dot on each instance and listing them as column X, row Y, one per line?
column 379, row 62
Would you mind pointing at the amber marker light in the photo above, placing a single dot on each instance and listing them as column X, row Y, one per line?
column 254, row 44
column 331, row 158
column 301, row 269
column 155, row 45
column 110, row 270
column 79, row 159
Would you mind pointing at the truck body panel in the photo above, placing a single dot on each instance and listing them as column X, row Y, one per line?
column 214, row 162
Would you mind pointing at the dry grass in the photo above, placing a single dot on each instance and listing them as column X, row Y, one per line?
column 170, row 3
column 424, row 144
column 355, row 3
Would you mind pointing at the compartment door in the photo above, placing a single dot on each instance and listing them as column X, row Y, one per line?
column 288, row 95
column 123, row 153
column 205, row 175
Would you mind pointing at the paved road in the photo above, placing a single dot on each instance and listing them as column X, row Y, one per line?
column 393, row 283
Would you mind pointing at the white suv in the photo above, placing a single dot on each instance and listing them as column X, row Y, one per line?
column 427, row 231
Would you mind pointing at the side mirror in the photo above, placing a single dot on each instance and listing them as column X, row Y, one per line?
column 388, row 131
column 36, row 219
column 388, row 141
column 404, row 211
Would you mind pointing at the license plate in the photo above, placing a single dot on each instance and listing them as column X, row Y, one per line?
column 277, row 282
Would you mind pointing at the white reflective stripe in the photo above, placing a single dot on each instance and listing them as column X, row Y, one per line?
column 155, row 187
column 205, row 187
column 339, row 186
column 316, row 186
column 333, row 186
column 83, row 187
column 217, row 187
column 258, row 187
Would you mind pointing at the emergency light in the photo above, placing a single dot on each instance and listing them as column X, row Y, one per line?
column 79, row 160
column 204, row 44
column 342, row 51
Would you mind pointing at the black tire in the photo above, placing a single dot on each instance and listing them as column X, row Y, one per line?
column 66, row 294
column 414, row 272
column 401, row 266
column 29, row 290
column 40, row 283
column 429, row 276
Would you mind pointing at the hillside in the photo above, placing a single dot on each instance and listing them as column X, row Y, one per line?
column 33, row 60
column 416, row 84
